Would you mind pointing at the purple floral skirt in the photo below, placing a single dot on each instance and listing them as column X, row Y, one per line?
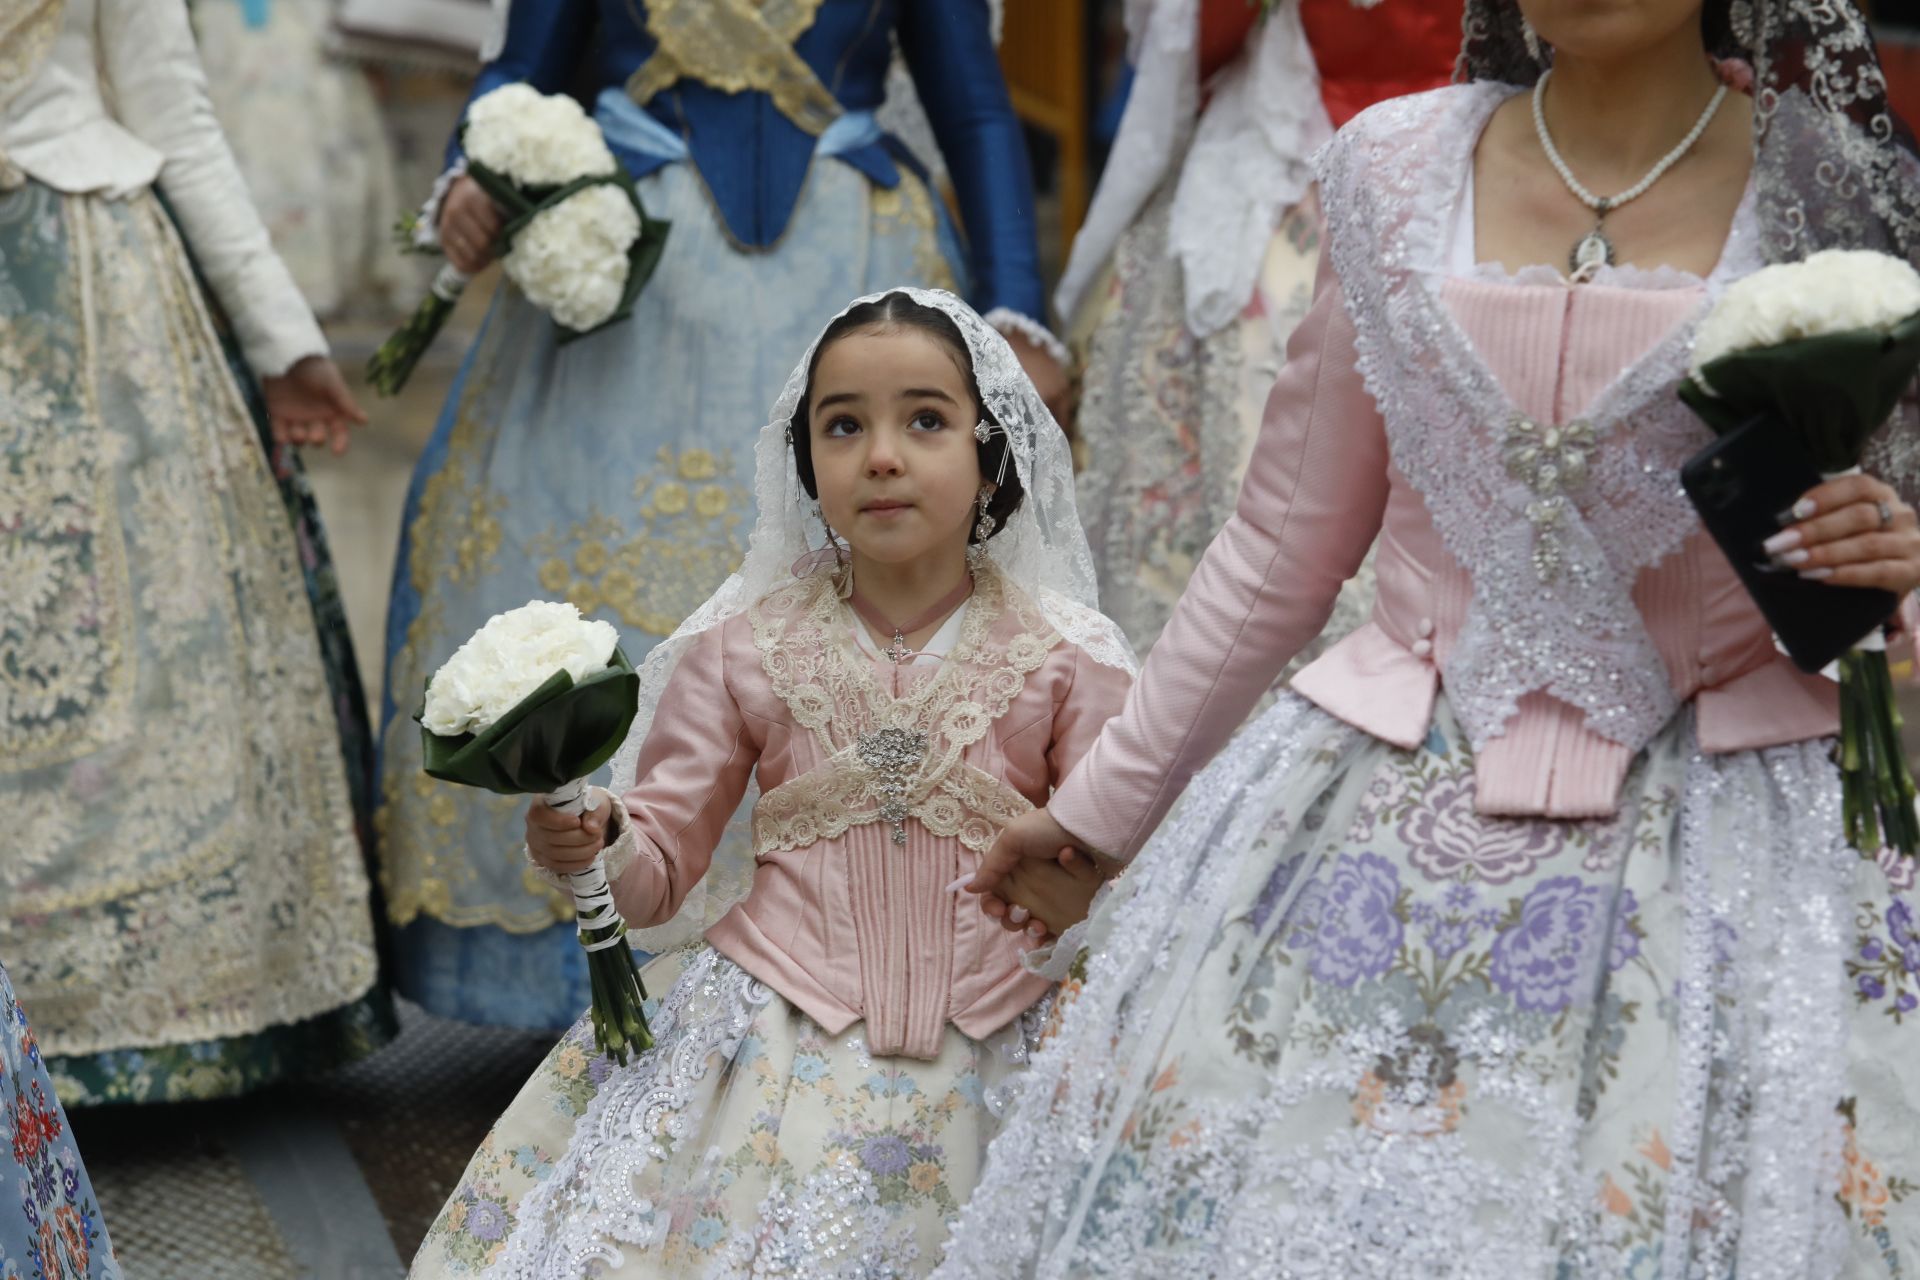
column 1336, row 1023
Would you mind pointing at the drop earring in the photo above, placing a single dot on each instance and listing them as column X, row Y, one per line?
column 984, row 527
column 842, row 571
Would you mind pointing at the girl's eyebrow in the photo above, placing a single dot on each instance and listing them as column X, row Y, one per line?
column 926, row 393
column 838, row 397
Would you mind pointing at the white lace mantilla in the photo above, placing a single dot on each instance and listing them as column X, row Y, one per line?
column 1389, row 183
column 801, row 633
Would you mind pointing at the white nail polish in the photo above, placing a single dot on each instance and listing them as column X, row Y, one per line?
column 1805, row 508
column 961, row 883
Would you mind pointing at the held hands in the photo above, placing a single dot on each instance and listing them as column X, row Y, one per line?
column 309, row 404
column 469, row 225
column 1853, row 532
column 564, row 843
column 1045, row 899
column 1029, row 843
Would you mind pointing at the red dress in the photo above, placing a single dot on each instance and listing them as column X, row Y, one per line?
column 1364, row 53
column 1368, row 55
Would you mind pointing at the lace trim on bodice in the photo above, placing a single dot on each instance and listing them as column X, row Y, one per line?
column 892, row 758
column 1553, row 521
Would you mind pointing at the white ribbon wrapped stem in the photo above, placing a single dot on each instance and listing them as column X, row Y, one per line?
column 448, row 284
column 592, row 894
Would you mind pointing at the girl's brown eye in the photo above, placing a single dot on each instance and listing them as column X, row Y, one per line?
column 929, row 421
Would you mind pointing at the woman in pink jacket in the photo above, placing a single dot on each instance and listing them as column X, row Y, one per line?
column 1522, row 939
column 833, row 1041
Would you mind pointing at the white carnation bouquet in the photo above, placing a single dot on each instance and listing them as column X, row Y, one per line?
column 532, row 704
column 577, row 241
column 1824, row 348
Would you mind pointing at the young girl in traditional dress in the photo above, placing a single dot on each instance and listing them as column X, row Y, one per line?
column 613, row 472
column 1522, row 939
column 827, row 1058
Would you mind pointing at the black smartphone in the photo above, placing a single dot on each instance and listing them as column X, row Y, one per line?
column 1740, row 484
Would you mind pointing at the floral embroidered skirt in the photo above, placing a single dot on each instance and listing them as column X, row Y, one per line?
column 615, row 472
column 1337, row 1024
column 186, row 907
column 50, row 1223
column 747, row 1143
column 1168, row 419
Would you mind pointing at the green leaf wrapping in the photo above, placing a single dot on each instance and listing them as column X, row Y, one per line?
column 560, row 732
column 1835, row 390
column 522, row 205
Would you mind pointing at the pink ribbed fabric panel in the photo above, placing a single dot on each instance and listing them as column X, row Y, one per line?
column 1555, row 351
column 903, row 925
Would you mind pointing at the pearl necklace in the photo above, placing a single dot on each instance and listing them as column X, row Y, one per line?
column 1594, row 250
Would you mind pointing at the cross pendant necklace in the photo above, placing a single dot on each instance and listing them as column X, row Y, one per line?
column 900, row 651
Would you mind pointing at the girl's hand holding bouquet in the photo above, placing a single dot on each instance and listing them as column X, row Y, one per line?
column 565, row 842
column 537, row 700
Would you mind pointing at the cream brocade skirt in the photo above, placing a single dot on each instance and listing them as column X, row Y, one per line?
column 179, row 858
column 748, row 1142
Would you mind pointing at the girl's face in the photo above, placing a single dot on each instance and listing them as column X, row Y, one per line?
column 894, row 457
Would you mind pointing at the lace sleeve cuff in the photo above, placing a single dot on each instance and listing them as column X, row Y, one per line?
column 426, row 230
column 1008, row 321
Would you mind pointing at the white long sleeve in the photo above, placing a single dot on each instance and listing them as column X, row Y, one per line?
column 120, row 104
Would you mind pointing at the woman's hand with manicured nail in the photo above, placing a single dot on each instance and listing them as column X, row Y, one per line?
column 1863, row 535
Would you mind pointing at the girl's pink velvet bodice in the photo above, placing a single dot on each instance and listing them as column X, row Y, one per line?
column 849, row 925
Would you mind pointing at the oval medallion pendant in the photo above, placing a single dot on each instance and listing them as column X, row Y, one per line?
column 1592, row 253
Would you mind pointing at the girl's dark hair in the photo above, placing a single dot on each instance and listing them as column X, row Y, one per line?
column 899, row 311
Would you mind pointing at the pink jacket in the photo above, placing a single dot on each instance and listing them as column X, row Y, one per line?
column 851, row 925
column 1321, row 486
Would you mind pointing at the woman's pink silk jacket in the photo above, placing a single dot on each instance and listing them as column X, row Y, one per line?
column 1321, row 485
column 854, row 926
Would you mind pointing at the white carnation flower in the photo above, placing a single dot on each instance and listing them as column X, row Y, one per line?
column 510, row 657
column 571, row 260
column 535, row 139
column 1828, row 292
